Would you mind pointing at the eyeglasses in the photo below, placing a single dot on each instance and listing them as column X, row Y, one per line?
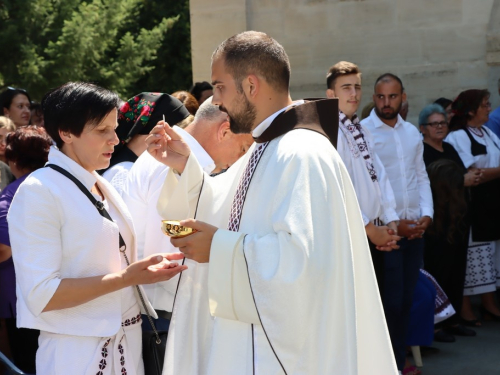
column 487, row 105
column 435, row 124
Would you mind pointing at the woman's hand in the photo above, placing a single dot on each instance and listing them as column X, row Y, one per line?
column 76, row 291
column 168, row 147
column 472, row 177
column 153, row 269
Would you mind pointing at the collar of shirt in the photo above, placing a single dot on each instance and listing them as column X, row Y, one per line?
column 206, row 162
column 378, row 122
column 85, row 177
column 257, row 132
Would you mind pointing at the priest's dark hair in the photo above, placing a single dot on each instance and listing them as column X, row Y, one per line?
column 74, row 105
column 342, row 68
column 388, row 77
column 253, row 52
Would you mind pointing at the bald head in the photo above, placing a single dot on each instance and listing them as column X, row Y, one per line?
column 209, row 112
column 211, row 129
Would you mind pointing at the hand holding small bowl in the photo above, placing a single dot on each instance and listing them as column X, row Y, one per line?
column 173, row 228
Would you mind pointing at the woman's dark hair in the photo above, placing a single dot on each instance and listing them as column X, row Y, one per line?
column 8, row 95
column 466, row 102
column 447, row 185
column 443, row 102
column 198, row 88
column 74, row 105
column 28, row 147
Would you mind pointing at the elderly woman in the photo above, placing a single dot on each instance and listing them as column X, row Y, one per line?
column 16, row 104
column 434, row 128
column 27, row 150
column 74, row 281
column 446, row 241
column 479, row 147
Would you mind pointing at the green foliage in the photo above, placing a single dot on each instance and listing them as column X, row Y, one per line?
column 172, row 69
column 119, row 44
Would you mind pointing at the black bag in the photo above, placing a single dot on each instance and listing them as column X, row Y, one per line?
column 153, row 354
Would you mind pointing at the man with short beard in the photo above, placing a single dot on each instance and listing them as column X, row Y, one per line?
column 290, row 282
column 399, row 146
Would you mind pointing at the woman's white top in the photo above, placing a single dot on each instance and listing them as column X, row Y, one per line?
column 462, row 144
column 57, row 233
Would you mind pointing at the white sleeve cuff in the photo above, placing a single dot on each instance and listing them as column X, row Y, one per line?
column 178, row 195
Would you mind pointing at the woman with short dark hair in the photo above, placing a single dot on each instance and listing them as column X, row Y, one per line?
column 15, row 104
column 74, row 280
column 479, row 148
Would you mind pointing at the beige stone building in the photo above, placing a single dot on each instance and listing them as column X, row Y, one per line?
column 437, row 47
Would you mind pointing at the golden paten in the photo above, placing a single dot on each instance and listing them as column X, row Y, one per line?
column 173, row 228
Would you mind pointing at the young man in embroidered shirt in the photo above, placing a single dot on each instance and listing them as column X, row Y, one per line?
column 354, row 145
column 399, row 146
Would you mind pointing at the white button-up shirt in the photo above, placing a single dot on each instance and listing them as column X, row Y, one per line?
column 140, row 192
column 400, row 149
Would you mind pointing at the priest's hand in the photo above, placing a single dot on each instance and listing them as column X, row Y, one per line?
column 168, row 147
column 384, row 238
column 197, row 245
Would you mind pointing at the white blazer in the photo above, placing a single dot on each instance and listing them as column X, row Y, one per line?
column 57, row 233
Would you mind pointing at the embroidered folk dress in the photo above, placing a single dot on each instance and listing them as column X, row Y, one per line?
column 483, row 257
column 57, row 233
column 291, row 288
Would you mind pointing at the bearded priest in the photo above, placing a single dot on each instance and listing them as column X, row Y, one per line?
column 289, row 287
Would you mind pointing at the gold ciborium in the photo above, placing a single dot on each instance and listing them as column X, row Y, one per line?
column 173, row 228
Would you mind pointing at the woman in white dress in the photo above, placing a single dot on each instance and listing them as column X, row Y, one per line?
column 73, row 281
column 479, row 147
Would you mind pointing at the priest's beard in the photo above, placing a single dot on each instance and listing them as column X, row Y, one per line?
column 241, row 121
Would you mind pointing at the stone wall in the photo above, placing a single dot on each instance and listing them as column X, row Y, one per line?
column 438, row 48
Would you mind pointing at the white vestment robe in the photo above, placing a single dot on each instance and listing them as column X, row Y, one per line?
column 293, row 291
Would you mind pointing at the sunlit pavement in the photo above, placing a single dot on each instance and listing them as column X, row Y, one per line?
column 479, row 355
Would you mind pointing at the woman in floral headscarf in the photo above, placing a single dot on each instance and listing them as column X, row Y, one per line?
column 136, row 118
column 479, row 147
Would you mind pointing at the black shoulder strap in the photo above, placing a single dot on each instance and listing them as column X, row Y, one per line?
column 95, row 202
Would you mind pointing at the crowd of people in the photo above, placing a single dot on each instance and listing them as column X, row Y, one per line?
column 315, row 252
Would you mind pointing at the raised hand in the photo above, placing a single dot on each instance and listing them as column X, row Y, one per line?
column 168, row 147
column 153, row 269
